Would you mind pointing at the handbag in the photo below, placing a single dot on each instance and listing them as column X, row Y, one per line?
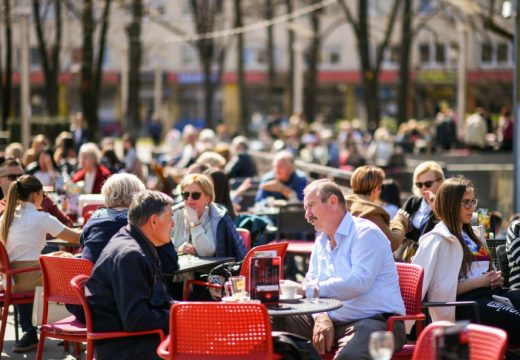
column 57, row 311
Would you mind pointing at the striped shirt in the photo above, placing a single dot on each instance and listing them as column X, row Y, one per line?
column 513, row 254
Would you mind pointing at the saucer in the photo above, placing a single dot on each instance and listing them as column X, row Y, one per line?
column 289, row 300
column 233, row 299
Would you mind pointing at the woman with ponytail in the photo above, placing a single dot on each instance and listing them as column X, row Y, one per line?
column 23, row 231
column 457, row 264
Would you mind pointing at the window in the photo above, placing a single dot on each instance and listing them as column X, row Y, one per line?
column 424, row 53
column 330, row 56
column 486, row 54
column 188, row 56
column 440, row 54
column 495, row 54
column 503, row 53
column 35, row 57
column 256, row 57
column 391, row 56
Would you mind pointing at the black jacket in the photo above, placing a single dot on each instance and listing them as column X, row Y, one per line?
column 412, row 205
column 126, row 292
column 241, row 166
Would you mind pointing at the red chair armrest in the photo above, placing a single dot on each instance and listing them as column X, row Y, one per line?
column 392, row 319
column 163, row 350
column 189, row 282
column 117, row 334
column 22, row 270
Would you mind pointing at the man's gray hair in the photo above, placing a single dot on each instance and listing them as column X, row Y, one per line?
column 145, row 204
column 284, row 155
column 324, row 188
column 119, row 189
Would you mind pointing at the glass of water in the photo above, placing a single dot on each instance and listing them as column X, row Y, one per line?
column 311, row 284
column 381, row 345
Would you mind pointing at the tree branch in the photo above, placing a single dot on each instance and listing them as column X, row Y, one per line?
column 389, row 30
column 349, row 15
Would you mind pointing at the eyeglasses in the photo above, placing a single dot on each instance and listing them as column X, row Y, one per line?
column 469, row 204
column 195, row 195
column 11, row 177
column 427, row 184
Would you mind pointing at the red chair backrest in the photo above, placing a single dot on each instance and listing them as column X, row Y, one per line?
column 485, row 342
column 57, row 273
column 246, row 237
column 280, row 248
column 410, row 283
column 4, row 259
column 204, row 330
column 88, row 210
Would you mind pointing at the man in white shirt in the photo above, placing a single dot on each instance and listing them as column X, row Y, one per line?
column 354, row 263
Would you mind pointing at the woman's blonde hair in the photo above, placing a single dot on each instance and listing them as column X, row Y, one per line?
column 119, row 189
column 202, row 181
column 19, row 190
column 366, row 178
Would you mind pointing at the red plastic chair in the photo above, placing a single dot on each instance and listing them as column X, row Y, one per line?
column 78, row 284
column 7, row 296
column 202, row 330
column 410, row 283
column 88, row 210
column 246, row 237
column 280, row 248
column 57, row 273
column 485, row 342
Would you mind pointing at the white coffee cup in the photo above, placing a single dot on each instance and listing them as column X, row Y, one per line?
column 288, row 290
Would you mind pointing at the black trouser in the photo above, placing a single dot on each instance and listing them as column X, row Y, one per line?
column 493, row 313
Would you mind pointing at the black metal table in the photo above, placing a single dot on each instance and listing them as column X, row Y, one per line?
column 303, row 306
column 189, row 263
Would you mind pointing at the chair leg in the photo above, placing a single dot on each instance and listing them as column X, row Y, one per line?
column 41, row 342
column 65, row 345
column 90, row 350
column 77, row 349
column 5, row 312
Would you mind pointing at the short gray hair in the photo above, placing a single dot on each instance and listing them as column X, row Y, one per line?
column 119, row 189
column 92, row 150
column 145, row 204
column 324, row 189
column 284, row 155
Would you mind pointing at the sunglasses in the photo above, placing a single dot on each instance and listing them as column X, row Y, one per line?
column 195, row 195
column 427, row 184
column 469, row 204
column 12, row 177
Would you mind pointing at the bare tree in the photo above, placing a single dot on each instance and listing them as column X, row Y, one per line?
column 290, row 51
column 370, row 67
column 271, row 70
column 205, row 15
column 242, row 89
column 6, row 84
column 134, row 61
column 91, row 66
column 50, row 60
column 313, row 58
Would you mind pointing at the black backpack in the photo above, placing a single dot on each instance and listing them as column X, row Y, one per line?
column 293, row 347
column 218, row 275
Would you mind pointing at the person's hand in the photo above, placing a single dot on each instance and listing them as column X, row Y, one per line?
column 273, row 186
column 323, row 333
column 191, row 215
column 429, row 196
column 404, row 217
column 294, row 283
column 493, row 279
column 187, row 248
column 245, row 185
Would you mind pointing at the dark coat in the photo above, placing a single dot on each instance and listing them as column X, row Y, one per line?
column 241, row 166
column 411, row 205
column 126, row 293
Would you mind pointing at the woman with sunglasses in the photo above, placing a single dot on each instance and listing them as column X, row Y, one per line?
column 23, row 231
column 427, row 177
column 203, row 227
column 457, row 263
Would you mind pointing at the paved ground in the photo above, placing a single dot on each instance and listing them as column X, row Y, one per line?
column 52, row 350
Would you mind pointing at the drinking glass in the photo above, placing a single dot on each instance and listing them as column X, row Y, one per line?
column 381, row 345
column 312, row 288
column 238, row 284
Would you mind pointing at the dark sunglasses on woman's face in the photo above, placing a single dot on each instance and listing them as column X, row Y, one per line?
column 195, row 195
column 12, row 177
column 427, row 184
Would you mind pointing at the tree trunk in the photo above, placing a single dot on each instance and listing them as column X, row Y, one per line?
column 88, row 102
column 7, row 84
column 208, row 93
column 242, row 90
column 271, row 76
column 290, row 51
column 404, row 69
column 134, row 61
column 312, row 72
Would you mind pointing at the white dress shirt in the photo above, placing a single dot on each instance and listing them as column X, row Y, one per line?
column 360, row 271
column 28, row 231
column 421, row 215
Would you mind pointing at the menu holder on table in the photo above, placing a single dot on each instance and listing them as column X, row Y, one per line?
column 264, row 278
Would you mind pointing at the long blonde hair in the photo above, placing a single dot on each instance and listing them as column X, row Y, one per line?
column 20, row 190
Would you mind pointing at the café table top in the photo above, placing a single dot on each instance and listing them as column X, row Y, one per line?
column 303, row 306
column 60, row 242
column 189, row 263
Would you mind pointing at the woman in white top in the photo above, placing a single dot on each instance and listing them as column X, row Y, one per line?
column 23, row 231
column 457, row 263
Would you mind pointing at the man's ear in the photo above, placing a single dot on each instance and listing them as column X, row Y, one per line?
column 153, row 221
column 333, row 201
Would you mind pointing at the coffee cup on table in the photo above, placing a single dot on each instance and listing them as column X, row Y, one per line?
column 288, row 290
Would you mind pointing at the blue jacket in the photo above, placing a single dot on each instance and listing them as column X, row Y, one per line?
column 228, row 241
column 297, row 182
column 126, row 293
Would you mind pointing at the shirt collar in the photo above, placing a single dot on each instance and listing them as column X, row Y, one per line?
column 345, row 227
